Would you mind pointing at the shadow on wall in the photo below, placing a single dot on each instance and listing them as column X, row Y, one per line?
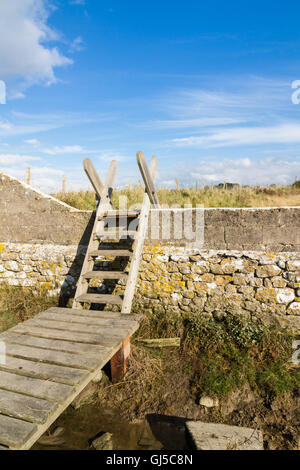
column 107, row 286
column 69, row 284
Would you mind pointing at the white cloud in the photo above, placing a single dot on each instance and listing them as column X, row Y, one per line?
column 45, row 179
column 76, row 45
column 25, row 123
column 108, row 156
column 23, row 36
column 191, row 123
column 77, row 2
column 264, row 171
column 278, row 134
column 32, row 141
column 64, row 149
column 13, row 159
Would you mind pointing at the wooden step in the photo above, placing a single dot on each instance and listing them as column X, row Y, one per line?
column 100, row 299
column 105, row 275
column 111, row 252
column 128, row 214
column 115, row 234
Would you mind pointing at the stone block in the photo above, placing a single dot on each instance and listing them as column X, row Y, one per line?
column 212, row 436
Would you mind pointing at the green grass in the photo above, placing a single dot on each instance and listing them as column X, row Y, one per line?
column 218, row 356
column 221, row 356
column 209, row 196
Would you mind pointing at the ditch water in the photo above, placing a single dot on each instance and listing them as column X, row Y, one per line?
column 76, row 429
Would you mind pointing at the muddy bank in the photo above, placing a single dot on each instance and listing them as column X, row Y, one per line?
column 149, row 408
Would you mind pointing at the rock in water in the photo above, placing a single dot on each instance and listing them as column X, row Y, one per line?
column 103, row 442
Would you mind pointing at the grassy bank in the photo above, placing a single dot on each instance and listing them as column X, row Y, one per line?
column 209, row 196
column 17, row 304
column 241, row 362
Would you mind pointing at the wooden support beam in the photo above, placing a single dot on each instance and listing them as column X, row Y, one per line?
column 118, row 363
column 93, row 176
column 147, row 177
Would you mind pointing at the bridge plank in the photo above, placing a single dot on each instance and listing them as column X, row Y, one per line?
column 66, row 375
column 80, row 328
column 39, row 379
column 14, row 432
column 90, row 350
column 51, row 357
column 84, row 320
column 65, row 335
column 46, row 389
column 94, row 313
column 35, row 410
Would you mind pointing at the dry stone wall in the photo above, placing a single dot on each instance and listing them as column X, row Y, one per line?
column 174, row 280
column 249, row 263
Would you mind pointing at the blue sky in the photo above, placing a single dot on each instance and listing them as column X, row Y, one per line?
column 207, row 87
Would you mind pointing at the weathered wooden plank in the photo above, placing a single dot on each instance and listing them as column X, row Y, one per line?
column 46, row 389
column 14, row 432
column 93, row 176
column 105, row 275
column 76, row 390
column 90, row 350
column 120, row 213
column 53, row 333
column 94, row 313
column 160, row 342
column 147, row 176
column 66, row 375
column 101, row 322
column 51, row 357
column 103, row 330
column 115, row 234
column 112, row 252
column 139, row 243
column 99, row 299
column 35, row 410
column 104, row 205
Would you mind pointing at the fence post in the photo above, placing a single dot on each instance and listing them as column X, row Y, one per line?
column 27, row 180
column 63, row 189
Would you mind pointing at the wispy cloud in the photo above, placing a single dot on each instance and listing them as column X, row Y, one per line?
column 283, row 134
column 19, row 123
column 68, row 149
column 76, row 45
column 77, row 2
column 13, row 159
column 277, row 170
column 45, row 178
column 32, row 141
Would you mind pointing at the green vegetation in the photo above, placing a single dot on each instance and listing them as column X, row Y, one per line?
column 209, row 196
column 218, row 356
column 230, row 353
column 18, row 304
column 222, row 355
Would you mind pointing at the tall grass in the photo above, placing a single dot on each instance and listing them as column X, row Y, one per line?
column 209, row 196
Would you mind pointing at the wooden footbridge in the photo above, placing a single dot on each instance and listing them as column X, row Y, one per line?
column 45, row 362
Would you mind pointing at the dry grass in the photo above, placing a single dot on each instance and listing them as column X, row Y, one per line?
column 18, row 304
column 141, row 389
column 209, row 196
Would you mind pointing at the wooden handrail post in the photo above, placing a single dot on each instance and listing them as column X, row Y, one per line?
column 147, row 177
column 93, row 177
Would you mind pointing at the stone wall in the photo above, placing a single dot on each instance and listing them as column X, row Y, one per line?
column 174, row 280
column 249, row 263
column 28, row 216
